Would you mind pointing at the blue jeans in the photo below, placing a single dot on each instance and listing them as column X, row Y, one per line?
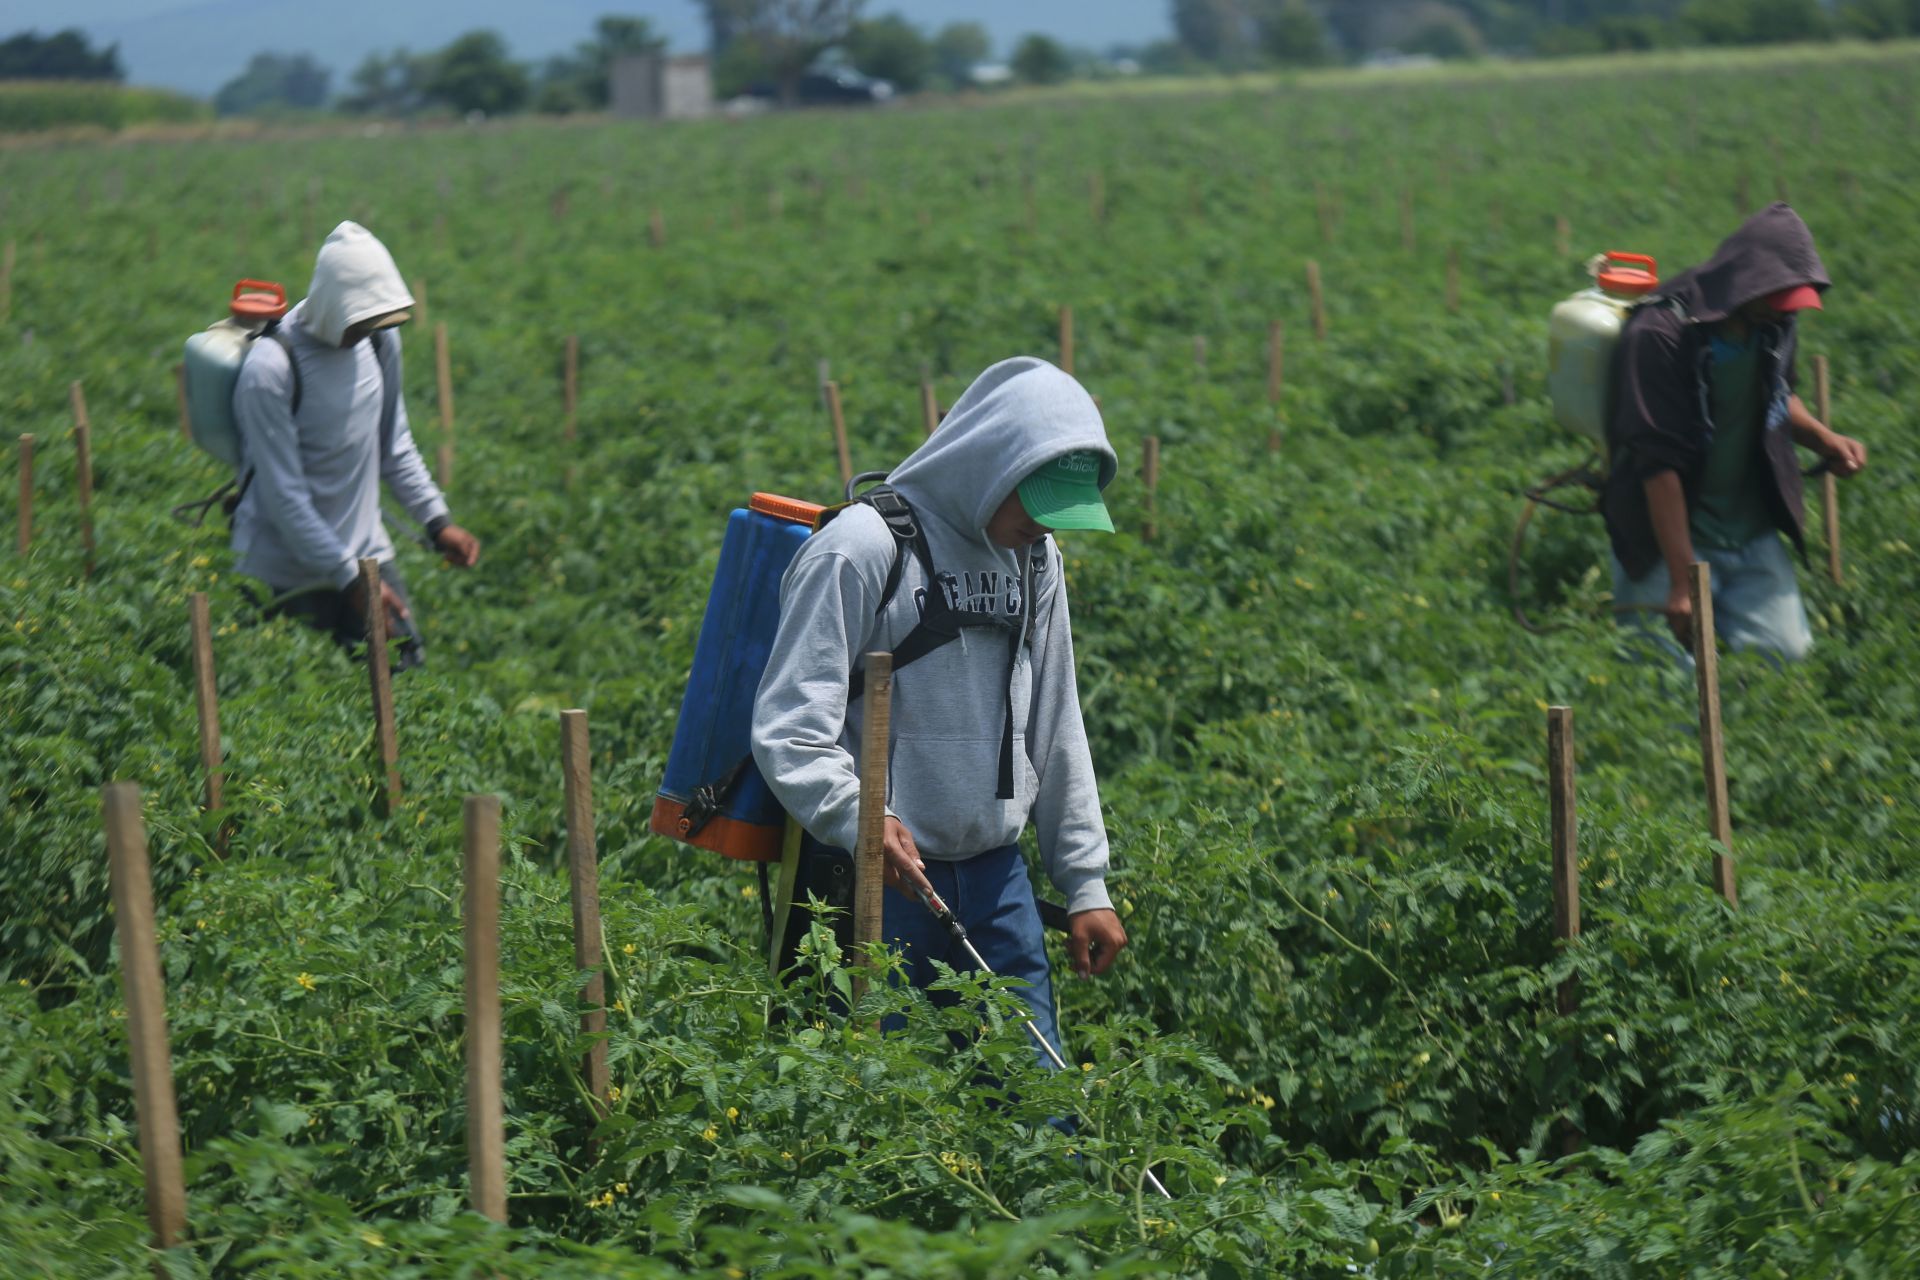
column 993, row 897
column 1756, row 602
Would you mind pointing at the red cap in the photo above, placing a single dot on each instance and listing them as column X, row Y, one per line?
column 1798, row 298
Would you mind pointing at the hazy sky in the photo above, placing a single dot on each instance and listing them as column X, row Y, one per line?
column 197, row 45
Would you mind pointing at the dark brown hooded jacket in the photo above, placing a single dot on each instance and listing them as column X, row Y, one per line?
column 1662, row 417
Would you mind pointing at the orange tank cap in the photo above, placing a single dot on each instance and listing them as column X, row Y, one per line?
column 1633, row 281
column 258, row 300
column 792, row 510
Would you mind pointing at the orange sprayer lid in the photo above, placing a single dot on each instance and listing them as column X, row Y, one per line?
column 790, row 509
column 258, row 300
column 1631, row 281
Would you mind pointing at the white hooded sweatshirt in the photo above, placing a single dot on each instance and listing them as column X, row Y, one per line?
column 950, row 707
column 312, row 509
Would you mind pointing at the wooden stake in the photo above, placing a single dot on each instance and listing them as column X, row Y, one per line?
column 839, row 432
column 146, row 999
column 1563, row 235
column 180, row 395
column 206, row 701
column 1150, row 480
column 869, row 864
column 486, row 1124
column 1566, row 844
column 420, row 304
column 1066, row 339
column 570, row 390
column 1319, row 302
column 1713, row 754
column 7, row 255
column 583, row 874
column 1276, row 360
column 1200, row 351
column 1325, row 213
column 443, row 372
column 83, row 455
column 1453, row 280
column 1829, row 485
column 929, row 406
column 26, row 495
column 656, row 228
column 381, row 676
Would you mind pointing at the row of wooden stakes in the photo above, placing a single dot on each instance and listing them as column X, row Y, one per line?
column 156, row 1108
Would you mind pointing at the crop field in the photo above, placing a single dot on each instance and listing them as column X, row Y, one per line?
column 1320, row 733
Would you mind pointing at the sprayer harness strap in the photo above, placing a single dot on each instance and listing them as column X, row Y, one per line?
column 940, row 623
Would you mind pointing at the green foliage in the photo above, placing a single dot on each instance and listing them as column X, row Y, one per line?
column 474, row 73
column 893, row 49
column 27, row 106
column 1318, row 732
column 1039, row 59
column 274, row 81
column 64, row 55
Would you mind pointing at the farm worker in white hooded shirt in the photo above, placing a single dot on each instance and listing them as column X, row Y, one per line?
column 323, row 422
column 986, row 728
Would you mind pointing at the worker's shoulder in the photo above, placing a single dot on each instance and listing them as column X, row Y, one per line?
column 857, row 535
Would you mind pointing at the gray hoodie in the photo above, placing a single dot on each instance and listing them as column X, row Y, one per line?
column 949, row 708
column 312, row 509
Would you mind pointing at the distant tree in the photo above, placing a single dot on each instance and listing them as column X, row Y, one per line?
column 1213, row 30
column 958, row 48
column 1756, row 21
column 1039, row 59
column 891, row 48
column 474, row 73
column 1880, row 19
column 386, row 85
column 580, row 81
column 774, row 40
column 65, row 55
column 274, row 80
column 1291, row 34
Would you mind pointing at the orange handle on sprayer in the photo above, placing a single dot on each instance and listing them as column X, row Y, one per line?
column 258, row 300
column 1639, row 259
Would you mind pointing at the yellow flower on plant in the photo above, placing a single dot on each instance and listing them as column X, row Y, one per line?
column 629, row 949
column 621, row 1187
column 733, row 1113
column 305, row 980
column 613, row 1094
column 710, row 1133
column 373, row 1238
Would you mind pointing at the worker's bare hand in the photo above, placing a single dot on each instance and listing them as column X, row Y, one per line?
column 1845, row 456
column 905, row 870
column 395, row 606
column 461, row 548
column 1094, row 938
column 1679, row 613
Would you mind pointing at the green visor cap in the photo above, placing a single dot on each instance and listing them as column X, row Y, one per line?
column 1065, row 493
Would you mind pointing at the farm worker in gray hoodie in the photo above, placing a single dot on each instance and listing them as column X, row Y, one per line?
column 986, row 729
column 1702, row 439
column 322, row 422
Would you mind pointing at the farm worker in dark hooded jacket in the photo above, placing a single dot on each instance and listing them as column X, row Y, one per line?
column 986, row 730
column 1702, row 440
column 322, row 423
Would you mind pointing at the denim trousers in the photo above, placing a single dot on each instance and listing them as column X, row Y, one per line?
column 993, row 898
column 1756, row 601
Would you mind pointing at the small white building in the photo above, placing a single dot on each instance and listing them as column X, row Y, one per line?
column 654, row 87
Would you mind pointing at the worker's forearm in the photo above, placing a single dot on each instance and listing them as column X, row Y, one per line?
column 1667, row 504
column 1808, row 431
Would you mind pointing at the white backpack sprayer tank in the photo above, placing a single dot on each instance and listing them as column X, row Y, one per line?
column 1582, row 334
column 213, row 358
